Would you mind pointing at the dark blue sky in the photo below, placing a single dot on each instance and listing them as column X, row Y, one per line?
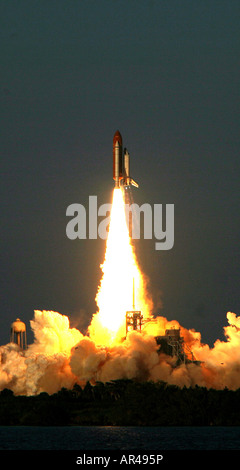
column 166, row 74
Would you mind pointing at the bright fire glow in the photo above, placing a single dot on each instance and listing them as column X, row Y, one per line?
column 120, row 273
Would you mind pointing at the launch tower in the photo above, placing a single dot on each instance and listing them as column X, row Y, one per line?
column 133, row 317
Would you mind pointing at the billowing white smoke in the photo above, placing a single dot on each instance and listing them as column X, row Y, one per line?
column 61, row 356
column 44, row 366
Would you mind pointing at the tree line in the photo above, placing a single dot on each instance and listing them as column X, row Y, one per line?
column 123, row 403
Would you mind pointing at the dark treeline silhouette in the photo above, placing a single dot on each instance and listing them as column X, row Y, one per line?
column 123, row 403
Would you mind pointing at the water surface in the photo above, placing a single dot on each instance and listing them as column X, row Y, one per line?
column 119, row 438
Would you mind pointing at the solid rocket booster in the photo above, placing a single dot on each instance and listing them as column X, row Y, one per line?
column 117, row 158
column 121, row 172
column 126, row 166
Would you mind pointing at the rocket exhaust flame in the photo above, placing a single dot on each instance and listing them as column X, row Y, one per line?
column 115, row 292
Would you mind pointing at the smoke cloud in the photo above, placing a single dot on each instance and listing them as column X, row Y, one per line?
column 61, row 356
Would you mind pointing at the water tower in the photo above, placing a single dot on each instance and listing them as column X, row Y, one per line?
column 18, row 334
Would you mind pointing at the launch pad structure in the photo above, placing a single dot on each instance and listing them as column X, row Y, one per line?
column 173, row 344
column 133, row 317
column 133, row 321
